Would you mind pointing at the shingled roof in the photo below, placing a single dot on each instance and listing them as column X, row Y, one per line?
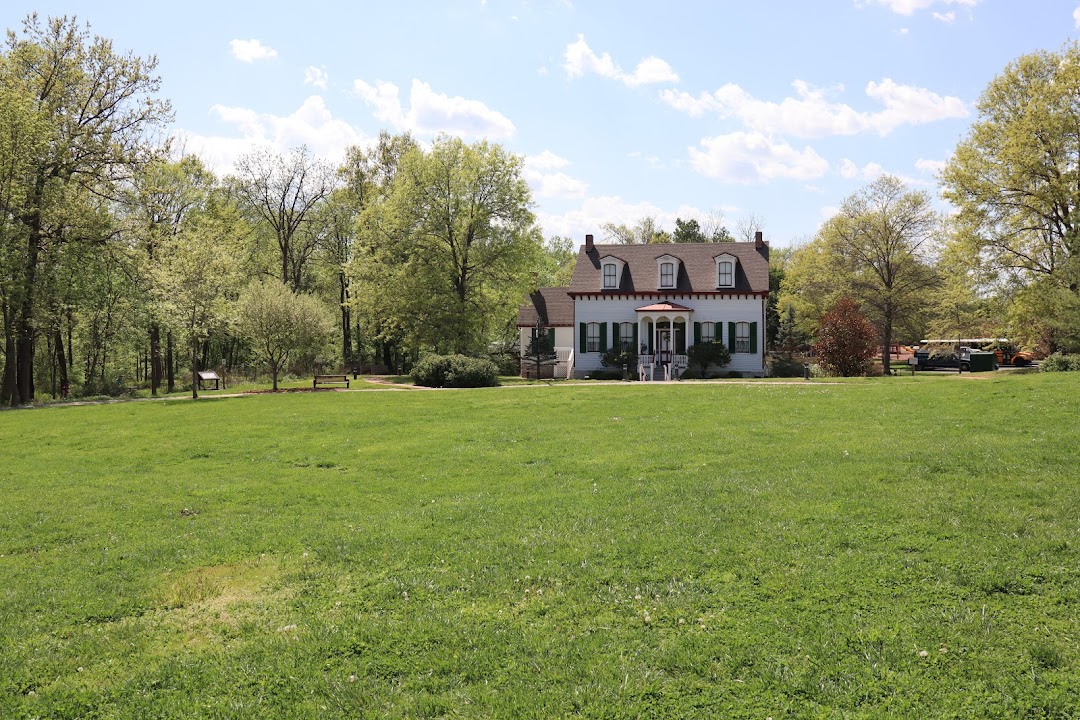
column 697, row 271
column 552, row 305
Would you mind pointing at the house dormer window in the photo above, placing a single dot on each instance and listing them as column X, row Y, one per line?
column 611, row 274
column 727, row 274
column 667, row 274
column 725, row 270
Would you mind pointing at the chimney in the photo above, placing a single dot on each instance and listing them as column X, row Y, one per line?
column 758, row 242
column 588, row 243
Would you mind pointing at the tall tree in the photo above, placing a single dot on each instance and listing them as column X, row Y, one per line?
column 96, row 109
column 455, row 245
column 1015, row 180
column 283, row 192
column 877, row 250
column 645, row 232
column 198, row 273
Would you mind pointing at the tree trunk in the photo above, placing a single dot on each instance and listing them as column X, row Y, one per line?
column 61, row 361
column 8, row 393
column 155, row 358
column 346, row 321
column 170, row 364
column 194, row 369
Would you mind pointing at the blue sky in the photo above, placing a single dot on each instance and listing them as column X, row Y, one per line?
column 621, row 110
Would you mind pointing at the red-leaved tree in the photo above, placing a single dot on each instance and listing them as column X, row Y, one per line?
column 846, row 339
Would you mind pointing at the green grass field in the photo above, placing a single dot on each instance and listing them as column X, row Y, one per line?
column 901, row 547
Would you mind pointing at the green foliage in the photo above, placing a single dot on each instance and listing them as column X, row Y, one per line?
column 705, row 354
column 455, row 371
column 618, row 357
column 280, row 324
column 1060, row 362
column 606, row 374
column 785, row 368
column 846, row 340
column 1016, row 185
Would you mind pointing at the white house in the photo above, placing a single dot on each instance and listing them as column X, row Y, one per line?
column 657, row 300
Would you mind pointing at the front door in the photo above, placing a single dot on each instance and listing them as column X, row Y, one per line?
column 663, row 344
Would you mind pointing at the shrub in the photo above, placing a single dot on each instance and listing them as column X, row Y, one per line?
column 846, row 340
column 704, row 354
column 606, row 374
column 786, row 368
column 1060, row 362
column 455, row 371
column 618, row 357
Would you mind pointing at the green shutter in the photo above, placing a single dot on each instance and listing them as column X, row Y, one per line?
column 680, row 338
column 649, row 340
column 583, row 337
column 635, row 348
column 731, row 337
column 753, row 337
column 615, row 335
column 551, row 338
column 603, row 337
column 697, row 333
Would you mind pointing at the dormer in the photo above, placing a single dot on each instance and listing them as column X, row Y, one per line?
column 667, row 272
column 725, row 270
column 611, row 269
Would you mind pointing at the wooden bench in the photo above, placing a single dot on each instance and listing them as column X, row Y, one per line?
column 330, row 380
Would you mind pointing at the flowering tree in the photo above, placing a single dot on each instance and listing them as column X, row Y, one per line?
column 846, row 339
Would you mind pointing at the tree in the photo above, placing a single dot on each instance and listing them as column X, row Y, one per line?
column 280, row 324
column 283, row 192
column 541, row 350
column 200, row 268
column 646, row 232
column 95, row 110
column 1015, row 182
column 846, row 339
column 877, row 250
column 557, row 262
column 452, row 250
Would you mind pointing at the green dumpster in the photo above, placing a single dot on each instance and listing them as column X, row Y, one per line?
column 982, row 362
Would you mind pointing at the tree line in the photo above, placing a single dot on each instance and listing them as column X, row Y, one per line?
column 123, row 257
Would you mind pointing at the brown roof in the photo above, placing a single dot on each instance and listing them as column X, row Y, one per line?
column 554, row 307
column 697, row 271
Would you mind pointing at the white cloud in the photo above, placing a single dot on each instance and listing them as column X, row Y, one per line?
column 908, row 7
column 752, row 157
column 580, row 59
column 930, row 166
column 316, row 76
column 546, row 184
column 1076, row 17
column 902, row 31
column 947, row 18
column 430, row 112
column 829, row 211
column 870, row 171
column 251, row 50
column 312, row 124
column 812, row 114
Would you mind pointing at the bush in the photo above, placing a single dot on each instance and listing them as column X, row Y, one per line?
column 786, row 368
column 456, row 371
column 704, row 354
column 1060, row 362
column 846, row 340
column 607, row 374
column 618, row 357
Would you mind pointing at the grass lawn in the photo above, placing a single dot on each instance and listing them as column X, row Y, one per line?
column 900, row 547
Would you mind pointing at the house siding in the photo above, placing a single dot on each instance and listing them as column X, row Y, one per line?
column 745, row 308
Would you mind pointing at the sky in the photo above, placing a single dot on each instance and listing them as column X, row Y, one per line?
column 770, row 109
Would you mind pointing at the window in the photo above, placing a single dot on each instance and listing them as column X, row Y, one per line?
column 610, row 272
column 667, row 274
column 742, row 337
column 592, row 337
column 727, row 275
column 626, row 336
column 708, row 332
